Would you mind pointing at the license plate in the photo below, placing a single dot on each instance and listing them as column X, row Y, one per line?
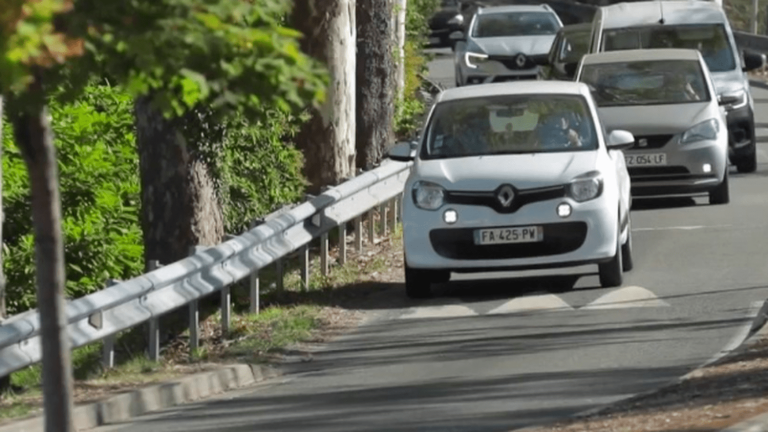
column 530, row 234
column 654, row 159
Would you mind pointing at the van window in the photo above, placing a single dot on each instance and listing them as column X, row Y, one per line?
column 709, row 39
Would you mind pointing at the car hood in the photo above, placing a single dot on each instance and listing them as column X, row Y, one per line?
column 486, row 173
column 655, row 119
column 528, row 45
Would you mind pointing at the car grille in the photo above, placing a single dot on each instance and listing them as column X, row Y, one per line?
column 510, row 62
column 490, row 198
column 458, row 243
column 658, row 173
column 651, row 141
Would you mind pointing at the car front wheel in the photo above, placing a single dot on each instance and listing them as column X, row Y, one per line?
column 611, row 272
column 720, row 194
column 418, row 283
column 626, row 250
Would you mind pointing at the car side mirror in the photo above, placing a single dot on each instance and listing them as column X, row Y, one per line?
column 753, row 60
column 402, row 152
column 620, row 140
column 457, row 36
column 570, row 68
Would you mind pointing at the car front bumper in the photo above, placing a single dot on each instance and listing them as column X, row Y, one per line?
column 494, row 71
column 684, row 172
column 741, row 131
column 587, row 236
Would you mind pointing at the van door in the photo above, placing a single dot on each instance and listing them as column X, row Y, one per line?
column 597, row 32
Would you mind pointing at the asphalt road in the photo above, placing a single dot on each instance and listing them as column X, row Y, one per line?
column 499, row 354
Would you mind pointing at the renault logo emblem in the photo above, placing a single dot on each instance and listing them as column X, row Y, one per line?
column 642, row 142
column 520, row 60
column 506, row 195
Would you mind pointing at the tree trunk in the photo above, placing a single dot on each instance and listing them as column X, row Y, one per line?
column 180, row 207
column 34, row 136
column 328, row 138
column 399, row 35
column 375, row 81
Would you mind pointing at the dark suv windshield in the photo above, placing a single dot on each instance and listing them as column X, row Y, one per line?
column 515, row 24
column 509, row 125
column 655, row 82
column 709, row 39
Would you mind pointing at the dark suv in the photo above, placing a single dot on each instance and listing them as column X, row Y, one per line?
column 440, row 24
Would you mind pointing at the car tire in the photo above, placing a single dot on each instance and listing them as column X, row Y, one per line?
column 418, row 283
column 626, row 250
column 748, row 163
column 721, row 193
column 611, row 272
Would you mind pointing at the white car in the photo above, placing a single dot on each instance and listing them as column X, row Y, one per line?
column 515, row 176
column 667, row 98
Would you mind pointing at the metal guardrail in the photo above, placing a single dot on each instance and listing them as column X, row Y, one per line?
column 126, row 304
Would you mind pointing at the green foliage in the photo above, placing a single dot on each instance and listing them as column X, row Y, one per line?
column 740, row 14
column 260, row 171
column 99, row 196
column 410, row 108
column 225, row 54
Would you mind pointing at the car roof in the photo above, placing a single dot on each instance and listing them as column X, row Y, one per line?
column 514, row 8
column 672, row 11
column 642, row 55
column 572, row 28
column 513, row 88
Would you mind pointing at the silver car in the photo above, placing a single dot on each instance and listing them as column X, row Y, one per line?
column 504, row 43
column 667, row 99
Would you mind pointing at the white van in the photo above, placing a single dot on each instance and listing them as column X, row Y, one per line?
column 700, row 25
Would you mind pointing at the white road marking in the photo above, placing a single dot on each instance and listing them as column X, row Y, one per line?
column 683, row 228
column 447, row 311
column 627, row 297
column 548, row 302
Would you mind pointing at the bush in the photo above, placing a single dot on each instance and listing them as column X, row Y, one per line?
column 98, row 171
column 100, row 190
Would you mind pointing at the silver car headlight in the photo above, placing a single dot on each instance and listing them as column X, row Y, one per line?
column 428, row 195
column 587, row 186
column 706, row 130
column 474, row 60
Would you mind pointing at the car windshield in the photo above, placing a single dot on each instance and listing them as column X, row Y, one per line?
column 574, row 45
column 515, row 24
column 509, row 125
column 655, row 82
column 709, row 39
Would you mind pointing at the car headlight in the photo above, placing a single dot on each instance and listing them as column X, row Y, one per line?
column 741, row 95
column 475, row 59
column 587, row 186
column 706, row 130
column 428, row 195
column 457, row 20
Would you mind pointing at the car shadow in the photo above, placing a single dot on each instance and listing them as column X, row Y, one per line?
column 660, row 203
column 507, row 288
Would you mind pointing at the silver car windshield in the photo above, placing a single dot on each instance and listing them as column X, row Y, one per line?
column 517, row 124
column 655, row 82
column 709, row 39
column 503, row 24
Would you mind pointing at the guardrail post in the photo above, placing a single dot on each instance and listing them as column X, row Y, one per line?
column 393, row 211
column 108, row 347
column 383, row 219
column 371, row 227
column 755, row 11
column 154, row 325
column 343, row 243
column 359, row 234
column 194, row 318
column 254, row 283
column 324, row 254
column 304, row 267
column 279, row 272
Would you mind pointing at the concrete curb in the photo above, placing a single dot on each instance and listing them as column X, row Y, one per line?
column 125, row 406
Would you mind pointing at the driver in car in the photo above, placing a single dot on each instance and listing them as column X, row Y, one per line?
column 563, row 128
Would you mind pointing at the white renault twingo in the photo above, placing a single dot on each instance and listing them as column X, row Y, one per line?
column 515, row 176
